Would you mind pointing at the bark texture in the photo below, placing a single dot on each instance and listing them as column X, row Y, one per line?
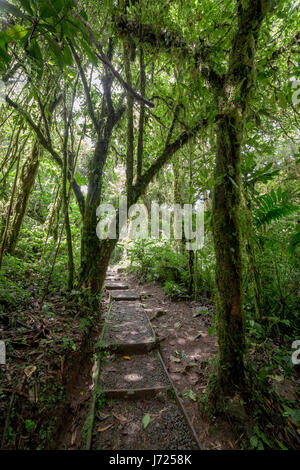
column 232, row 100
column 26, row 183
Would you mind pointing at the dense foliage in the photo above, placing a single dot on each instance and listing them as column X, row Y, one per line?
column 167, row 101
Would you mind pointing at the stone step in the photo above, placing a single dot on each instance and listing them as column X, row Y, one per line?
column 118, row 295
column 130, row 348
column 136, row 375
column 136, row 393
column 127, row 329
column 113, row 285
column 121, row 425
column 128, row 334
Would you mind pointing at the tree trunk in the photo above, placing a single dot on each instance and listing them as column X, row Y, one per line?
column 232, row 99
column 140, row 146
column 27, row 180
column 227, row 243
column 130, row 129
column 93, row 267
column 65, row 200
column 51, row 224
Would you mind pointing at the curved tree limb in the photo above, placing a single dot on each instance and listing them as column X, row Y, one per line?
column 47, row 146
column 85, row 86
column 169, row 150
column 171, row 40
column 102, row 56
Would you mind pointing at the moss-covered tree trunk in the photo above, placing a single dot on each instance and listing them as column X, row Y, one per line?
column 65, row 200
column 91, row 270
column 25, row 186
column 51, row 224
column 227, row 243
column 232, row 100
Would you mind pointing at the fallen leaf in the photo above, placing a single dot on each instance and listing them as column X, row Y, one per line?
column 29, row 371
column 73, row 438
column 175, row 359
column 105, row 428
column 121, row 418
column 146, row 420
column 127, row 357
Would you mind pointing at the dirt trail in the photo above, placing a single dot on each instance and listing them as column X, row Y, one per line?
column 149, row 344
column 137, row 408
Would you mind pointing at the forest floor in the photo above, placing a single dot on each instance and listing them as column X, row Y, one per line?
column 48, row 362
column 47, row 383
column 186, row 347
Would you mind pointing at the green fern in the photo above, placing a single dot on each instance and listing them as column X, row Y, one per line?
column 263, row 175
column 295, row 241
column 273, row 206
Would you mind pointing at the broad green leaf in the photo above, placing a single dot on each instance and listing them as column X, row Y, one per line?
column 14, row 34
column 92, row 57
column 211, row 330
column 146, row 420
column 189, row 394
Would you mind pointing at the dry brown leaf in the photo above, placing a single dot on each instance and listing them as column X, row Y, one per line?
column 121, row 418
column 29, row 371
column 73, row 438
column 105, row 428
column 156, row 415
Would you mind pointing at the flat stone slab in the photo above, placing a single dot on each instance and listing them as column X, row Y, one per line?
column 124, row 295
column 126, row 309
column 130, row 348
column 141, row 372
column 110, row 285
column 127, row 328
column 135, row 393
column 128, row 332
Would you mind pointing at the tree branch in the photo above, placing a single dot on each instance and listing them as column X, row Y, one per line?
column 170, row 41
column 168, row 152
column 140, row 145
column 86, row 87
column 288, row 48
column 47, row 145
column 107, row 62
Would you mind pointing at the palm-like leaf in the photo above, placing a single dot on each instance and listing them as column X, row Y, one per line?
column 273, row 206
column 295, row 240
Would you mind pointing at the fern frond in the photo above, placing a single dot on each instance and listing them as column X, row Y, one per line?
column 273, row 206
column 295, row 241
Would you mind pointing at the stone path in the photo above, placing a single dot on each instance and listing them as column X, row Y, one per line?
column 132, row 376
